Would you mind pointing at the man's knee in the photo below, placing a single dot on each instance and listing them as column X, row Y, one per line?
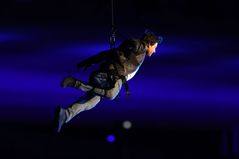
column 110, row 95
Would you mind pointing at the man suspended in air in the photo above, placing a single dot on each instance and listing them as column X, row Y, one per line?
column 116, row 67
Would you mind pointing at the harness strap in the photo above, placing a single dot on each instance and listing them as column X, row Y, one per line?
column 123, row 78
column 125, row 85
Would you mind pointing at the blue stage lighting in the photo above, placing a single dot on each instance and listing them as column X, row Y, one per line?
column 111, row 138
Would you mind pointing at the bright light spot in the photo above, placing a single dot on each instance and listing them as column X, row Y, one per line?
column 111, row 138
column 127, row 124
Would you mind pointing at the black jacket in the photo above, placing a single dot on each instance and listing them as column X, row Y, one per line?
column 125, row 59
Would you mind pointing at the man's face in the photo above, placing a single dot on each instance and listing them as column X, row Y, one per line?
column 151, row 49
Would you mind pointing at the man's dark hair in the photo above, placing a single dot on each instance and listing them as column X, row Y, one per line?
column 151, row 38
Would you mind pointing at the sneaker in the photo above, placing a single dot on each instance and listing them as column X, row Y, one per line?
column 68, row 82
column 60, row 118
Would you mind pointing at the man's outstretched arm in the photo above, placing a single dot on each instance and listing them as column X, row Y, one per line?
column 100, row 57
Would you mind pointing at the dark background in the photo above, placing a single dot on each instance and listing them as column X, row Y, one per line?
column 184, row 99
column 173, row 15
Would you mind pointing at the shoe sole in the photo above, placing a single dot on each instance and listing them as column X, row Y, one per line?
column 56, row 119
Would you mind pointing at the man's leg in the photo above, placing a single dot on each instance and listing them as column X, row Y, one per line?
column 108, row 93
column 85, row 102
